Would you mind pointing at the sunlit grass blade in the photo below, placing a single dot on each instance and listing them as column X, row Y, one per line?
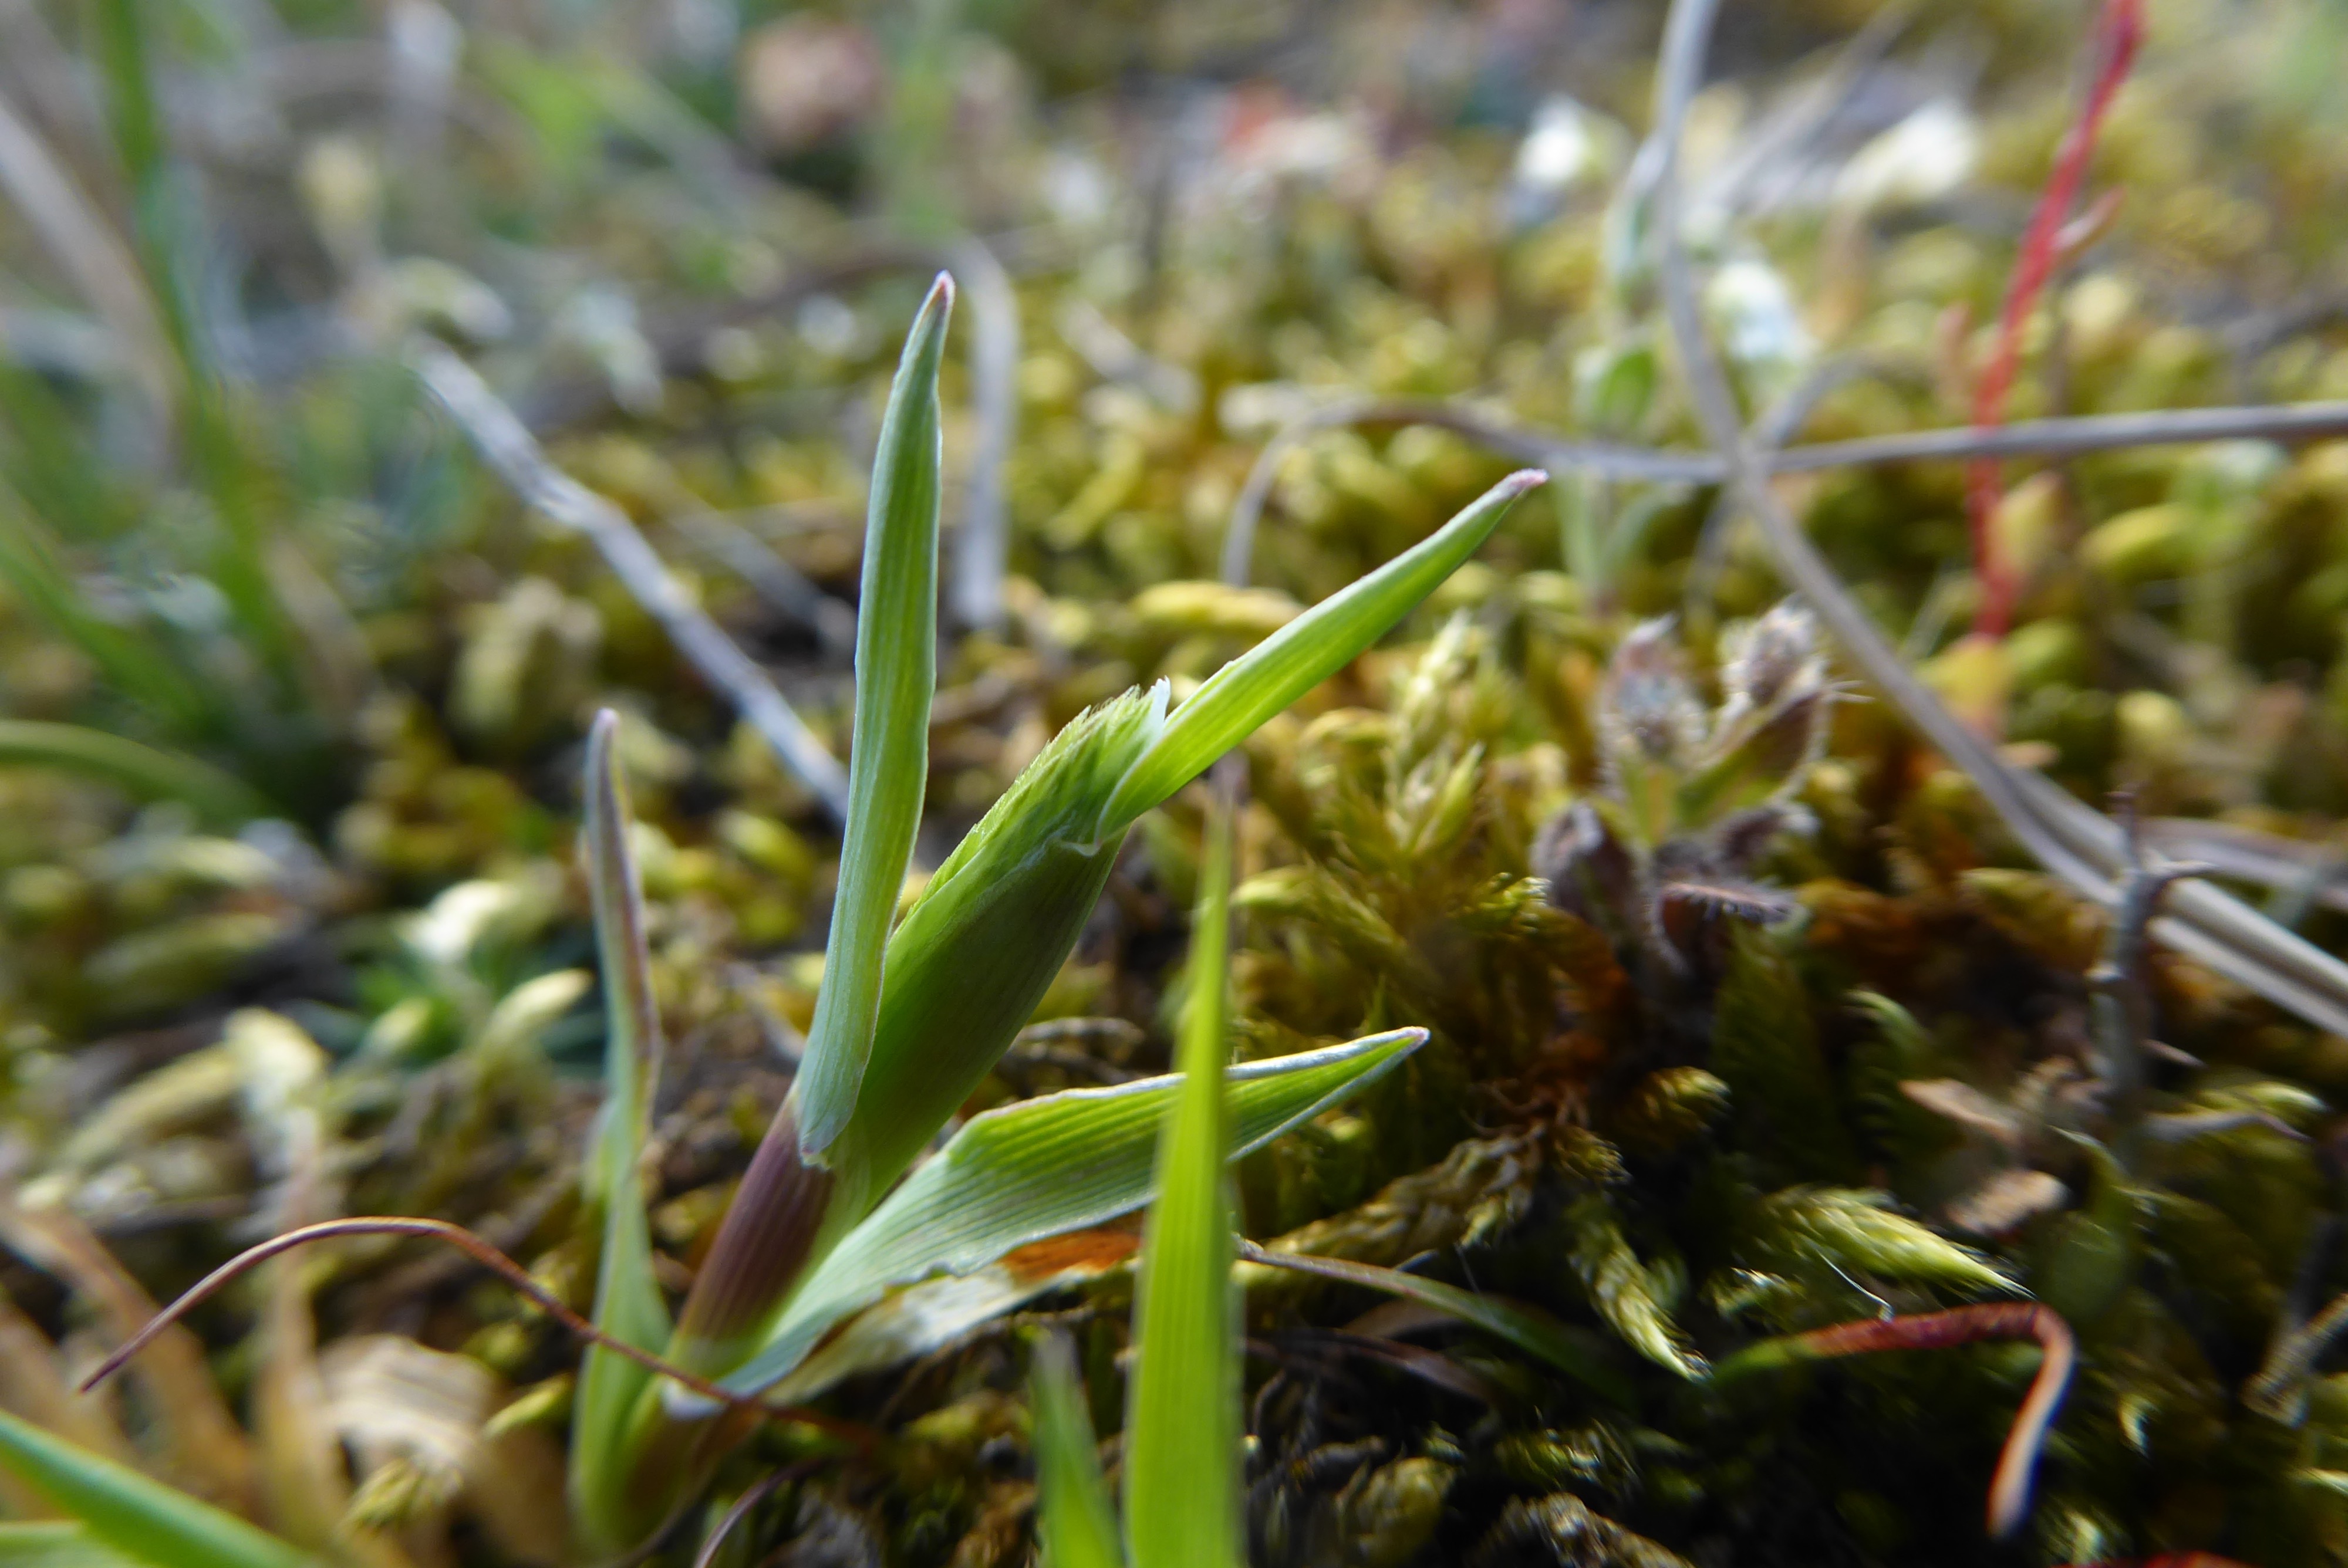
column 974, row 957
column 145, row 772
column 1242, row 694
column 59, row 1543
column 1074, row 1526
column 1183, row 1431
column 888, row 764
column 961, row 973
column 134, row 1515
column 1580, row 1355
column 795, row 1201
column 627, row 1299
column 1043, row 1167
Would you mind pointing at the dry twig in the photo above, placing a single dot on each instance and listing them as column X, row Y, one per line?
column 509, row 450
column 1525, row 443
column 2076, row 843
column 682, row 342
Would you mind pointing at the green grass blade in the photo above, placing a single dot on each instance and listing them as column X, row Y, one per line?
column 30, row 567
column 1580, row 1355
column 1040, row 1168
column 1301, row 655
column 888, row 766
column 143, row 770
column 627, row 1299
column 51, row 466
column 633, row 1045
column 1074, row 1526
column 133, row 1514
column 975, row 955
column 58, row 1543
column 167, row 234
column 1183, row 1428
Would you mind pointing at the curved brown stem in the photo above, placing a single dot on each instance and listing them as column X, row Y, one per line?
column 497, row 1263
column 743, row 1504
column 2009, row 1492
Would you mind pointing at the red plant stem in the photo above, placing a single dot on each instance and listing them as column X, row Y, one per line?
column 762, row 1244
column 2009, row 1492
column 2118, row 31
column 766, row 1488
column 488, row 1258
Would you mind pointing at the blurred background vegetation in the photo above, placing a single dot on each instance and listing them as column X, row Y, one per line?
column 295, row 690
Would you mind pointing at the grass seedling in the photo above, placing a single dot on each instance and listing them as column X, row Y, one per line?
column 907, row 1025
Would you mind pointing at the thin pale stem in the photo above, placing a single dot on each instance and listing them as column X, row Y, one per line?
column 515, row 456
column 765, row 1488
column 1530, row 443
column 2074, row 841
column 88, row 250
column 488, row 1258
column 681, row 345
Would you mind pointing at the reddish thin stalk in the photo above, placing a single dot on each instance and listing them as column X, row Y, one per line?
column 2009, row 1492
column 762, row 1244
column 764, row 1488
column 2119, row 30
column 488, row 1258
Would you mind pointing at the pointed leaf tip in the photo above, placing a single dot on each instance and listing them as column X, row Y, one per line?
column 603, row 735
column 1044, row 1167
column 896, row 677
column 627, row 1299
column 1251, row 689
